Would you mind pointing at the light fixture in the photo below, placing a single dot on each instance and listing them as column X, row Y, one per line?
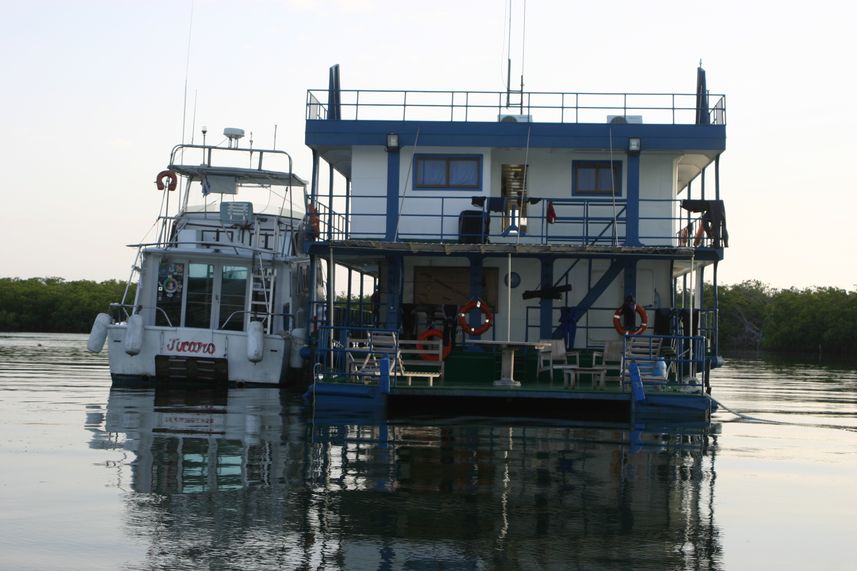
column 392, row 142
column 634, row 144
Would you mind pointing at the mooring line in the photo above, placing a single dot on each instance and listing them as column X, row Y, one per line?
column 756, row 419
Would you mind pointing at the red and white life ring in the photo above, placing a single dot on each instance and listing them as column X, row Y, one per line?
column 464, row 317
column 433, row 334
column 171, row 176
column 644, row 320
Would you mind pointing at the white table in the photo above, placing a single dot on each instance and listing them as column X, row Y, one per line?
column 571, row 373
column 507, row 359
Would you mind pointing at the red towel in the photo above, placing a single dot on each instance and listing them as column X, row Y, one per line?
column 551, row 214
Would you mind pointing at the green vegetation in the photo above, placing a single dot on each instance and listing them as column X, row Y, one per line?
column 752, row 314
column 820, row 320
column 53, row 304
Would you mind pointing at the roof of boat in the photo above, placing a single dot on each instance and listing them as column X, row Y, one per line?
column 243, row 175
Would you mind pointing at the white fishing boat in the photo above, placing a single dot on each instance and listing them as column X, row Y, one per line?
column 221, row 293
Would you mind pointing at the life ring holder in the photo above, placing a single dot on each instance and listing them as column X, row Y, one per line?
column 464, row 317
column 644, row 320
column 433, row 333
column 172, row 178
column 170, row 285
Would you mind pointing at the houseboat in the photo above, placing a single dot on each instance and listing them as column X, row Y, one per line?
column 517, row 252
column 222, row 291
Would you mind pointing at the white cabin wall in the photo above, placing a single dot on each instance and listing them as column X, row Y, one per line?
column 655, row 290
column 529, row 270
column 657, row 190
column 368, row 192
column 424, row 215
column 550, row 177
column 147, row 288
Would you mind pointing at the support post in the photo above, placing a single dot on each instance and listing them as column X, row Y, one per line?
column 546, row 304
column 393, row 156
column 632, row 209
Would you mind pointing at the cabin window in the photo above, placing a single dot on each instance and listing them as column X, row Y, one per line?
column 202, row 295
column 596, row 178
column 169, row 296
column 453, row 172
column 200, row 289
column 233, row 293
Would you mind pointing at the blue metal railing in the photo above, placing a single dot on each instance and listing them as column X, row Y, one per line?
column 581, row 221
column 549, row 107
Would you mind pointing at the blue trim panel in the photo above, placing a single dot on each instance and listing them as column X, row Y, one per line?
column 320, row 134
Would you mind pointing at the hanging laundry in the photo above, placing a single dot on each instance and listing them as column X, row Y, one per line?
column 551, row 213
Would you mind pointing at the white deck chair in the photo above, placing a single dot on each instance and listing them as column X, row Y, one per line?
column 555, row 357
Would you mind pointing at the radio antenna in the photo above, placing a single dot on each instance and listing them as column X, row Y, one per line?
column 186, row 71
column 509, row 90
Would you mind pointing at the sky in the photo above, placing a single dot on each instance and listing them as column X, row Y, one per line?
column 93, row 100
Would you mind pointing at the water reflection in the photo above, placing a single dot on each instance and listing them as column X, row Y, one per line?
column 242, row 478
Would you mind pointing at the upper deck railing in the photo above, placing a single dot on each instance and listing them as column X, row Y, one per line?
column 573, row 221
column 542, row 107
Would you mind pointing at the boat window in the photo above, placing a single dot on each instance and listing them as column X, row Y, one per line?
column 200, row 287
column 233, row 294
column 596, row 178
column 448, row 172
column 169, row 296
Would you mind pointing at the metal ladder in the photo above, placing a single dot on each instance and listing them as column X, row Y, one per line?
column 262, row 296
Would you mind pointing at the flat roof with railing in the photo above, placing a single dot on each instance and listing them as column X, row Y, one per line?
column 543, row 107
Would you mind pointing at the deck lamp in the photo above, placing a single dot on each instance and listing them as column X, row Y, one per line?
column 634, row 144
column 392, row 142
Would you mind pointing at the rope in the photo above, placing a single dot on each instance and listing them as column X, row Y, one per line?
column 613, row 189
column 757, row 420
column 405, row 188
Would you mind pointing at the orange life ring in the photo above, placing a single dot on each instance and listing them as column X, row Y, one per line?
column 433, row 334
column 644, row 320
column 171, row 176
column 464, row 317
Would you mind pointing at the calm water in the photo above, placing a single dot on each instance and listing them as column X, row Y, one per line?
column 98, row 478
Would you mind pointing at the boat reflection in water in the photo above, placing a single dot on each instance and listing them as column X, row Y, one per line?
column 244, row 478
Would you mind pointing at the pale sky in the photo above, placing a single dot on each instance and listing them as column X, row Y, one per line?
column 93, row 99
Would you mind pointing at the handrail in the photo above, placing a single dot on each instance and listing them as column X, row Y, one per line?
column 434, row 217
column 208, row 150
column 550, row 106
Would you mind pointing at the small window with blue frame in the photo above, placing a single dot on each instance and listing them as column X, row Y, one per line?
column 448, row 172
column 596, row 178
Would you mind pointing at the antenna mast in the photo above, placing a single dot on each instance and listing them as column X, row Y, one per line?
column 509, row 90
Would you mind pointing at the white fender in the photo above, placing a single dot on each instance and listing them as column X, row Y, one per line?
column 298, row 343
column 133, row 341
column 255, row 342
column 98, row 333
